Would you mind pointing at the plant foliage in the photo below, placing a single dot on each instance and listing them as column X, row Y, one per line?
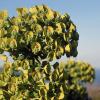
column 35, row 38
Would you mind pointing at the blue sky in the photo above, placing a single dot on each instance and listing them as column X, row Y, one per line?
column 84, row 13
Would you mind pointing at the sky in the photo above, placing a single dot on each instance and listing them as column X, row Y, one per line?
column 84, row 13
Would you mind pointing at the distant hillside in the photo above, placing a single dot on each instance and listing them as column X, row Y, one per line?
column 97, row 80
column 94, row 91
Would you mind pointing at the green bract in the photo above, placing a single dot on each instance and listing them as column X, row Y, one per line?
column 35, row 38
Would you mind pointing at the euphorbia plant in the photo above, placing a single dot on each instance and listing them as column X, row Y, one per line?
column 35, row 38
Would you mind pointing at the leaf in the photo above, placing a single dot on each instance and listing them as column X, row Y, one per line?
column 16, row 20
column 36, row 47
column 67, row 48
column 52, row 98
column 61, row 96
column 14, row 29
column 1, row 92
column 65, row 17
column 2, row 32
column 56, row 65
column 29, row 35
column 72, row 27
column 40, row 83
column 55, row 75
column 72, row 87
column 40, row 8
column 33, row 10
column 7, row 65
column 75, row 53
column 3, row 57
column 52, row 55
column 50, row 30
column 12, row 43
column 3, row 43
column 22, row 11
column 25, row 75
column 34, row 18
column 49, row 15
column 58, row 28
column 1, row 21
column 14, row 98
column 63, row 26
column 38, row 28
column 2, row 83
column 25, row 64
column 60, row 51
column 75, row 36
column 45, row 68
column 47, row 87
column 43, row 92
column 61, row 67
column 56, row 15
column 3, row 14
column 23, row 29
column 61, row 88
column 56, row 44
